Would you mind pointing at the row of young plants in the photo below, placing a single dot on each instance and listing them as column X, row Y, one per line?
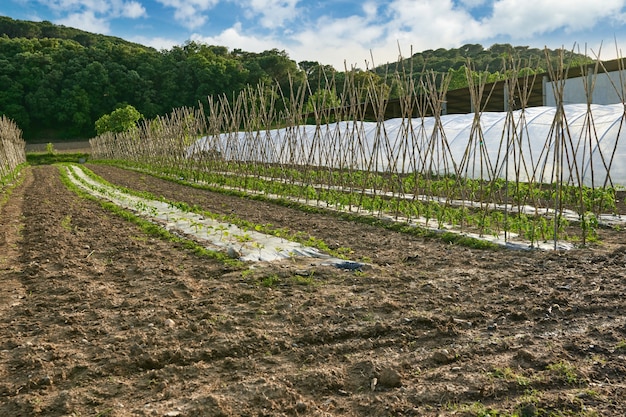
column 236, row 237
column 12, row 151
column 312, row 207
column 497, row 191
column 401, row 175
column 531, row 229
column 147, row 226
column 430, row 202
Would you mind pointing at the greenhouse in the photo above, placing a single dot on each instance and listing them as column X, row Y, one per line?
column 581, row 145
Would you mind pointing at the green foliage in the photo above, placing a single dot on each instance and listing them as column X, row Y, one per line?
column 321, row 106
column 122, row 119
column 66, row 223
column 322, row 99
column 48, row 158
column 9, row 181
column 493, row 61
column 566, row 372
column 509, row 375
column 60, row 80
column 270, row 281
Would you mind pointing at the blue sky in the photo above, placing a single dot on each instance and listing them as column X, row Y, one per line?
column 339, row 32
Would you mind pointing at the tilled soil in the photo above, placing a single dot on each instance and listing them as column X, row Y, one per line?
column 101, row 319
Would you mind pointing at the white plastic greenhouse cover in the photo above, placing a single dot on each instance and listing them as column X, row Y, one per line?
column 590, row 145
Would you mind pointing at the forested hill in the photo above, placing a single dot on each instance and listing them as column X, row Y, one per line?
column 496, row 60
column 483, row 59
column 55, row 81
column 39, row 30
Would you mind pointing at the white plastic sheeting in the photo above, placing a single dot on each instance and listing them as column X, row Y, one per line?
column 519, row 145
column 604, row 88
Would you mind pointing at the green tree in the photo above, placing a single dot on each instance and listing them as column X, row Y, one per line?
column 119, row 120
column 458, row 78
column 321, row 105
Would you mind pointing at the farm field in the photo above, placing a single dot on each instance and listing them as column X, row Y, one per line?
column 103, row 319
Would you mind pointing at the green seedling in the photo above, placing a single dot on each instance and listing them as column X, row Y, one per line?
column 66, row 223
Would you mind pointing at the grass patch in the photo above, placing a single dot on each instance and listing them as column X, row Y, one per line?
column 566, row 372
column 66, row 223
column 308, row 280
column 510, row 375
column 49, row 158
column 270, row 281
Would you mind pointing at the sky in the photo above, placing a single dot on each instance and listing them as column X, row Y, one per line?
column 344, row 33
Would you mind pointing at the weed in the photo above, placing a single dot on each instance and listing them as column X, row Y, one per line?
column 476, row 409
column 246, row 273
column 566, row 372
column 307, row 280
column 104, row 413
column 66, row 223
column 510, row 375
column 620, row 346
column 260, row 247
column 270, row 281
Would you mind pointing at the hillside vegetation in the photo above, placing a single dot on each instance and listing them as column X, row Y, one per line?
column 57, row 81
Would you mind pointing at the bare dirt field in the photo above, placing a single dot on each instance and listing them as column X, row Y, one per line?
column 100, row 319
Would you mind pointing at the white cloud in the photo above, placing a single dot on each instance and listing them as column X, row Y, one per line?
column 133, row 10
column 471, row 4
column 370, row 9
column 528, row 18
column 433, row 21
column 353, row 40
column 333, row 41
column 96, row 13
column 109, row 8
column 309, row 46
column 190, row 13
column 347, row 30
column 65, row 6
column 86, row 21
column 234, row 37
column 156, row 43
column 93, row 15
column 381, row 30
column 272, row 13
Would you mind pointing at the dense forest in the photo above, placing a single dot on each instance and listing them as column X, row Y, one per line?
column 483, row 59
column 57, row 81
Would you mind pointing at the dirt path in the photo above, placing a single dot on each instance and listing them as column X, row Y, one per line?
column 101, row 319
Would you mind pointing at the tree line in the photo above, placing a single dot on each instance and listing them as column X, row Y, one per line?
column 57, row 81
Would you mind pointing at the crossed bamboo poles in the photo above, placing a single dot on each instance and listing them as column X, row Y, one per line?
column 261, row 133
